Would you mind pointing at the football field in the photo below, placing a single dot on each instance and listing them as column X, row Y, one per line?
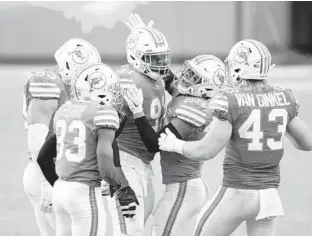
column 16, row 215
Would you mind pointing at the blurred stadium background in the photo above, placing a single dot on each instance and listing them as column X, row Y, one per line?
column 31, row 32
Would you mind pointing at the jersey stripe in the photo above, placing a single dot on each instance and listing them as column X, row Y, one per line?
column 49, row 90
column 218, row 105
column 125, row 82
column 107, row 118
column 219, row 102
column 191, row 115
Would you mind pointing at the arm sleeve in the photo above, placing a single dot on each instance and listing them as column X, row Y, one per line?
column 149, row 136
column 46, row 157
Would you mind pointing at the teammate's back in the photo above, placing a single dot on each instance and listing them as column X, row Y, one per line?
column 44, row 85
column 77, row 125
column 259, row 114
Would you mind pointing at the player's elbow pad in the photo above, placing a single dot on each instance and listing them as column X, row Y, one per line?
column 36, row 135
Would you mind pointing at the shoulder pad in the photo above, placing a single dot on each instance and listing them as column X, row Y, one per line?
column 193, row 111
column 106, row 117
column 125, row 75
column 219, row 102
column 44, row 85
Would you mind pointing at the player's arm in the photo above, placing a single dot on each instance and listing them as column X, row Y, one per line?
column 149, row 137
column 299, row 134
column 46, row 157
column 39, row 116
column 134, row 99
column 105, row 157
column 212, row 143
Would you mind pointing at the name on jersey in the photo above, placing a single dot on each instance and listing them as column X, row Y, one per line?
column 262, row 100
column 72, row 111
column 202, row 103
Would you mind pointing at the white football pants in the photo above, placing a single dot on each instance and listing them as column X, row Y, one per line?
column 139, row 175
column 177, row 211
column 79, row 209
column 32, row 187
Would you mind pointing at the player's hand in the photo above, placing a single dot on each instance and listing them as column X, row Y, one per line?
column 134, row 99
column 46, row 197
column 135, row 21
column 168, row 79
column 105, row 189
column 128, row 201
column 170, row 143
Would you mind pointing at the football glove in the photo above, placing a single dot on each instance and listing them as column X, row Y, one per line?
column 46, row 197
column 168, row 79
column 170, row 143
column 135, row 21
column 105, row 189
column 128, row 201
column 134, row 98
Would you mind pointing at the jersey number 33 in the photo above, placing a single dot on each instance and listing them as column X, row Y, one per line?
column 76, row 151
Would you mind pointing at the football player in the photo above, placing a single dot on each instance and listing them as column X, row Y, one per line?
column 44, row 93
column 149, row 59
column 251, row 121
column 187, row 116
column 85, row 132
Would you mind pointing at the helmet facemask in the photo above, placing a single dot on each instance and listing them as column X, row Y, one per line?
column 191, row 82
column 156, row 64
column 148, row 52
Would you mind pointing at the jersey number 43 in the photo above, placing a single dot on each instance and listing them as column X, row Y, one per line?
column 77, row 151
column 251, row 129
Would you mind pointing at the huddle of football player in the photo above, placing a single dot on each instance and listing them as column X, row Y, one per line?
column 89, row 125
column 250, row 120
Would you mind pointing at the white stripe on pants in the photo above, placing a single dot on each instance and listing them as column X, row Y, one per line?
column 176, row 212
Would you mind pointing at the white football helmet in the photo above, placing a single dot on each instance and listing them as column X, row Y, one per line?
column 74, row 55
column 97, row 83
column 148, row 52
column 201, row 76
column 248, row 59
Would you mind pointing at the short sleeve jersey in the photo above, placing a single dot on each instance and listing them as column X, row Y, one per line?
column 76, row 128
column 195, row 112
column 259, row 118
column 129, row 140
column 44, row 85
